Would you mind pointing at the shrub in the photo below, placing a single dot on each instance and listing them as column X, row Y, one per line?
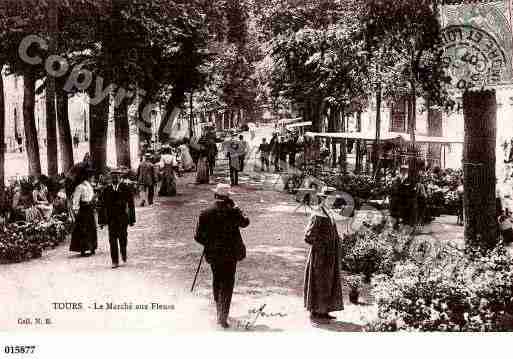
column 448, row 292
column 373, row 250
column 24, row 241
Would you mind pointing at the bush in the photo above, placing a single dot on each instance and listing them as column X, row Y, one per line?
column 447, row 292
column 24, row 241
column 373, row 250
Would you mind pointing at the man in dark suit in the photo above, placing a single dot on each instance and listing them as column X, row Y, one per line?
column 218, row 231
column 118, row 212
column 275, row 151
column 147, row 178
column 211, row 155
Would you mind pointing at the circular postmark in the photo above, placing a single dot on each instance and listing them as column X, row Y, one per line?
column 472, row 57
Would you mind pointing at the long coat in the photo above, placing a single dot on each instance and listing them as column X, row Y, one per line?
column 146, row 174
column 218, row 231
column 118, row 209
column 323, row 288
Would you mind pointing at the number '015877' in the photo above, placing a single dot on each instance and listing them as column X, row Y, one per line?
column 19, row 349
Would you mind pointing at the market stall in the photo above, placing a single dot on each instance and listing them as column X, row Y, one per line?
column 398, row 140
column 299, row 126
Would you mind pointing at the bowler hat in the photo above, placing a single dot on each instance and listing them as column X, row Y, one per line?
column 119, row 170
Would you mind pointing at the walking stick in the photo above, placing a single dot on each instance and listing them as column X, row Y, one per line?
column 197, row 271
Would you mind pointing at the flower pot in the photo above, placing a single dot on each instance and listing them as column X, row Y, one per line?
column 353, row 296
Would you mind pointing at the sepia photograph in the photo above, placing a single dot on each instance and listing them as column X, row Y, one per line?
column 249, row 166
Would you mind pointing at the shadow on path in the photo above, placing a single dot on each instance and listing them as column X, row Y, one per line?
column 336, row 326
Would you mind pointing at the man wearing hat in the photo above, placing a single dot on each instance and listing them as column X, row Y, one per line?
column 218, row 231
column 118, row 211
column 147, row 178
column 402, row 206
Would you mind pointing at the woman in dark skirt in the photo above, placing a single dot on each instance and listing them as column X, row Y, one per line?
column 202, row 170
column 84, row 237
column 168, row 163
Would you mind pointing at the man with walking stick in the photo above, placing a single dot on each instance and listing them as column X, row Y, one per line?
column 218, row 230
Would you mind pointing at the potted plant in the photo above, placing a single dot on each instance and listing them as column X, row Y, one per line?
column 354, row 282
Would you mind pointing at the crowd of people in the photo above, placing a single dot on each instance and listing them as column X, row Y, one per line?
column 110, row 200
column 280, row 151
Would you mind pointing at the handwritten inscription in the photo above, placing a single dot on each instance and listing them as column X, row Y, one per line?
column 472, row 57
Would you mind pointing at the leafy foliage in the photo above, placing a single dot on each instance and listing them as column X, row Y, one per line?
column 451, row 293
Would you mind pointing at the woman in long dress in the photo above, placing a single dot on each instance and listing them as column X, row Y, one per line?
column 202, row 172
column 167, row 163
column 322, row 285
column 84, row 237
column 187, row 162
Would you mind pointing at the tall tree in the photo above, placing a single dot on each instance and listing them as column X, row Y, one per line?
column 480, row 117
column 65, row 140
column 51, row 129
column 77, row 22
column 29, row 123
column 2, row 135
column 98, row 125
column 404, row 38
column 317, row 54
column 51, row 122
column 122, row 134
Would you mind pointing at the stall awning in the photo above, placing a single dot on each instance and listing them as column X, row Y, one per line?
column 300, row 124
column 348, row 135
column 385, row 137
column 286, row 121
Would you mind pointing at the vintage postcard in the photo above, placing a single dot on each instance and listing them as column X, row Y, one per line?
column 247, row 166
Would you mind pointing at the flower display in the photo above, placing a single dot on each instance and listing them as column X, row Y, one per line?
column 23, row 241
column 450, row 293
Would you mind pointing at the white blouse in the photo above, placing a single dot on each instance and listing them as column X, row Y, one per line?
column 84, row 192
column 167, row 159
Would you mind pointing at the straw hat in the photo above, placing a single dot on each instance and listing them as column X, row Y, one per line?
column 222, row 189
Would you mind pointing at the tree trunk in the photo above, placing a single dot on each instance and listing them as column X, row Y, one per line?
column 191, row 115
column 359, row 145
column 51, row 122
column 332, row 127
column 2, row 136
column 98, row 123
column 176, row 100
column 145, row 128
column 65, row 141
column 29, row 122
column 376, row 149
column 480, row 114
column 51, row 128
column 122, row 134
column 343, row 144
column 412, row 150
column 236, row 117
